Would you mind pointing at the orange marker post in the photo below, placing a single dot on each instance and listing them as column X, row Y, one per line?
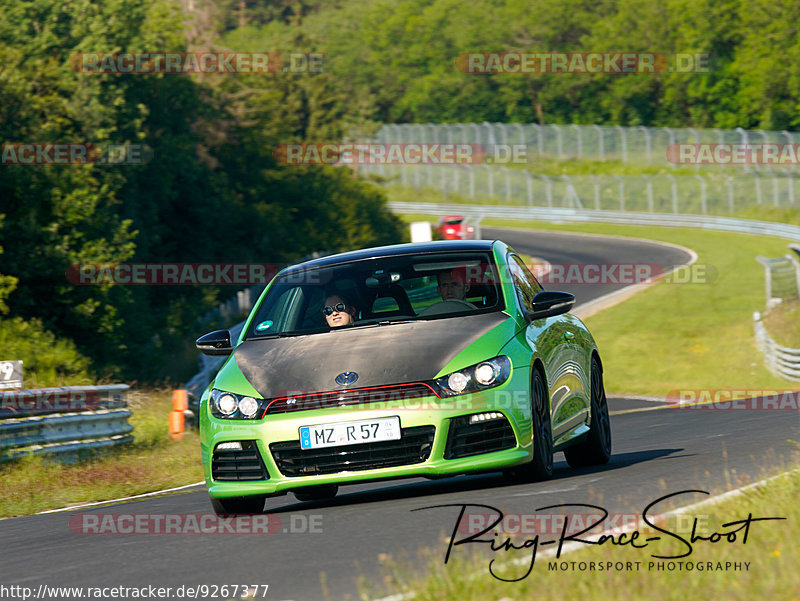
column 176, row 416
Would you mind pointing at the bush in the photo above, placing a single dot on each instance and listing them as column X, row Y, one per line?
column 47, row 360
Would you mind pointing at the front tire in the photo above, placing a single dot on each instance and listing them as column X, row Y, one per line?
column 541, row 467
column 596, row 449
column 229, row 505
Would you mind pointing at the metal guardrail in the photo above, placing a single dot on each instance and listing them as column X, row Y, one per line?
column 780, row 360
column 561, row 215
column 782, row 279
column 63, row 420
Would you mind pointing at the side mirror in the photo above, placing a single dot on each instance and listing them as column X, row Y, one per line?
column 550, row 303
column 214, row 343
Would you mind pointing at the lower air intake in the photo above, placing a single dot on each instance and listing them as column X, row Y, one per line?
column 473, row 435
column 234, row 465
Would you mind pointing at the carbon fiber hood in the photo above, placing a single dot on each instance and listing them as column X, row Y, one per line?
column 387, row 354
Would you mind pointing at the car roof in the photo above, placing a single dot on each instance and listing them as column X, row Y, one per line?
column 395, row 250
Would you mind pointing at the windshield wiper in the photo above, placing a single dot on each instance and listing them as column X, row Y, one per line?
column 384, row 322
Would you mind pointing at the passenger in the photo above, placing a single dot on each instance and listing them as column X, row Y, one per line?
column 339, row 311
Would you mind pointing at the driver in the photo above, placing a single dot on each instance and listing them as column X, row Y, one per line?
column 339, row 310
column 453, row 284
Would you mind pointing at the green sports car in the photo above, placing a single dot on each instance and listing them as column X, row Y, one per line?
column 429, row 359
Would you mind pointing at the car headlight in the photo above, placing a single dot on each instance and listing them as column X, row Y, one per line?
column 235, row 406
column 483, row 375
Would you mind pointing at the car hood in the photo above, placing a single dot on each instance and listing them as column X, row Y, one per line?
column 386, row 354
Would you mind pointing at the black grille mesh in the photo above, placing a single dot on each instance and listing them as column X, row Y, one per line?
column 465, row 439
column 229, row 465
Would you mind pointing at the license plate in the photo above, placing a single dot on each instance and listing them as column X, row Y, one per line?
column 344, row 433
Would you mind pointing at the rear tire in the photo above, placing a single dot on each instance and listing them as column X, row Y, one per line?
column 323, row 492
column 229, row 505
column 596, row 449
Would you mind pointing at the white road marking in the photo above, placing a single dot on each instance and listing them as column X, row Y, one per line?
column 122, row 499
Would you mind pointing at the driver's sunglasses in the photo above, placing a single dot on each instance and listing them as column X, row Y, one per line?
column 338, row 307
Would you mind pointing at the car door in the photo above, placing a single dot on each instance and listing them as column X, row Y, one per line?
column 557, row 340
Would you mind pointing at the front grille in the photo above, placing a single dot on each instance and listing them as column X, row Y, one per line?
column 228, row 465
column 414, row 446
column 465, row 439
column 338, row 398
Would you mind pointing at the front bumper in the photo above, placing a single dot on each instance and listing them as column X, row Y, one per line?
column 272, row 438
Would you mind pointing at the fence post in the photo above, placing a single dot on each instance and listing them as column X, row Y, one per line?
column 579, row 139
column 674, row 193
column 529, row 177
column 624, row 142
column 600, row 146
column 507, row 173
column 549, row 189
column 559, row 140
column 796, row 270
column 621, row 192
column 671, row 135
column 539, row 139
column 729, row 180
column 702, row 193
column 571, row 195
column 696, row 138
column 521, row 131
column 649, row 193
column 647, row 142
column 775, row 198
column 743, row 138
column 758, row 188
column 596, row 190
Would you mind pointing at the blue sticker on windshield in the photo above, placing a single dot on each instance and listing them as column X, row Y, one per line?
column 264, row 325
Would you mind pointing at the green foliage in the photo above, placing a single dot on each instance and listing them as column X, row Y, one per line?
column 211, row 191
column 46, row 360
column 395, row 59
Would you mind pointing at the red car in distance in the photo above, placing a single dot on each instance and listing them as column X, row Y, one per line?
column 453, row 227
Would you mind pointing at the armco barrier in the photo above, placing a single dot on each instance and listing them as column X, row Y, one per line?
column 780, row 360
column 561, row 215
column 63, row 420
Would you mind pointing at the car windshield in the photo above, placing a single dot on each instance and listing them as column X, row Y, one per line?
column 377, row 292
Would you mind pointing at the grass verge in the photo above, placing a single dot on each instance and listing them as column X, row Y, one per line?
column 783, row 324
column 152, row 462
column 770, row 550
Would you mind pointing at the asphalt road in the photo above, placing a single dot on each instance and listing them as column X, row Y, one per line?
column 655, row 452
